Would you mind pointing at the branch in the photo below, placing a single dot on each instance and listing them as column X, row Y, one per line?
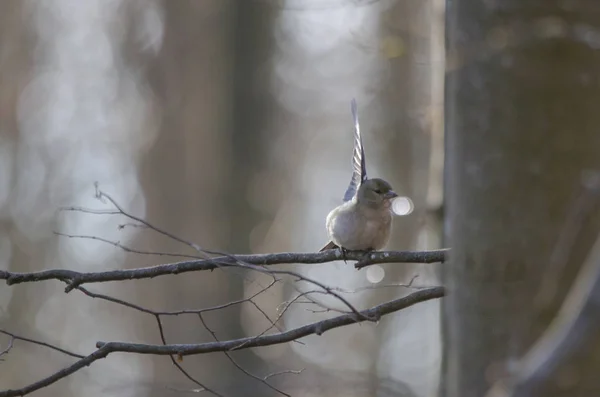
column 577, row 322
column 318, row 328
column 79, row 278
column 40, row 343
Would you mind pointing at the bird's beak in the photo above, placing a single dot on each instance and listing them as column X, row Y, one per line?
column 390, row 195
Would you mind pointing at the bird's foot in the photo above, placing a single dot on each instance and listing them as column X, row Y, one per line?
column 365, row 256
column 364, row 261
column 344, row 253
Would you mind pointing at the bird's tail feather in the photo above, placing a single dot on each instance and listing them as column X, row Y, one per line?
column 330, row 245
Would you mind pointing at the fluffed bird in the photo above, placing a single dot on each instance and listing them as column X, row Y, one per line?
column 363, row 222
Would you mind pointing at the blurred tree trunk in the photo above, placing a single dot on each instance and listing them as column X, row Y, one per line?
column 409, row 41
column 522, row 125
column 186, row 176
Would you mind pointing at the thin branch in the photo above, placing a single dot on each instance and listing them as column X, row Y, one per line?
column 8, row 348
column 174, row 312
column 238, row 366
column 318, row 328
column 136, row 251
column 287, row 371
column 380, row 286
column 281, row 313
column 79, row 278
column 124, row 247
column 39, row 343
column 178, row 366
column 576, row 322
column 63, row 373
column 102, row 195
column 578, row 213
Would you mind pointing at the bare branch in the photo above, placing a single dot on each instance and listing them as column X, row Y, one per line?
column 288, row 371
column 102, row 195
column 79, row 278
column 200, row 262
column 8, row 348
column 39, row 343
column 124, row 247
column 318, row 328
column 178, row 366
column 235, row 363
column 578, row 316
column 577, row 320
column 579, row 212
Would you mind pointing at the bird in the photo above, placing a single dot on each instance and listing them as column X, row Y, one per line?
column 363, row 222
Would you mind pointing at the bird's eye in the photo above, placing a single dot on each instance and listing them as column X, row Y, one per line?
column 378, row 191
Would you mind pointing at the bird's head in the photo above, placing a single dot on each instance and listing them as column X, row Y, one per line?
column 376, row 193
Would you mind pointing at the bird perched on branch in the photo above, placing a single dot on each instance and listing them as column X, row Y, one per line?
column 364, row 221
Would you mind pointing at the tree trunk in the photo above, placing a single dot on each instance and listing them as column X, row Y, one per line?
column 522, row 127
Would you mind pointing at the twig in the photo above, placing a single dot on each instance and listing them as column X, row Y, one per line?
column 279, row 315
column 578, row 213
column 318, row 328
column 39, row 343
column 102, row 195
column 177, row 365
column 288, row 371
column 8, row 348
column 238, row 366
column 124, row 247
column 577, row 320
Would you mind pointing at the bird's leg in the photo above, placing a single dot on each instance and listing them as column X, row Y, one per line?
column 344, row 252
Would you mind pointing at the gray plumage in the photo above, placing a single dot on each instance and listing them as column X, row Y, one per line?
column 364, row 221
column 359, row 169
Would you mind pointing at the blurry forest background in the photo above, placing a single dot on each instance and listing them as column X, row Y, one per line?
column 227, row 122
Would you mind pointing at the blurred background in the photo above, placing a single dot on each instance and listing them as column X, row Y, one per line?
column 226, row 123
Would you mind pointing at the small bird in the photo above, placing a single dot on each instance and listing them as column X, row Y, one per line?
column 364, row 221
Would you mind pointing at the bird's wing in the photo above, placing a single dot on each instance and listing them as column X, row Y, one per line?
column 359, row 170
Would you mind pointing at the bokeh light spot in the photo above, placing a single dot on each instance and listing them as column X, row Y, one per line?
column 402, row 206
column 375, row 274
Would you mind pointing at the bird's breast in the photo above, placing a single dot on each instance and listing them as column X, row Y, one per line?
column 359, row 229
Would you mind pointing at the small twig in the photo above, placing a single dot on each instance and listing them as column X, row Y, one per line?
column 39, row 343
column 288, row 371
column 238, row 366
column 279, row 315
column 200, row 390
column 102, row 195
column 178, row 366
column 8, row 348
column 578, row 213
column 379, row 286
column 577, row 320
column 124, row 247
column 318, row 328
column 170, row 313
